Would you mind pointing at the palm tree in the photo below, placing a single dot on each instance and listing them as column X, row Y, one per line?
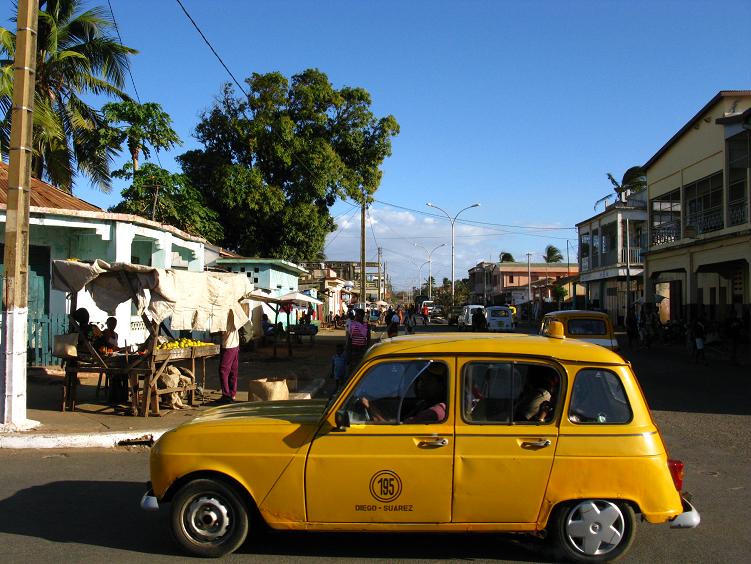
column 76, row 56
column 552, row 254
column 634, row 180
column 506, row 257
column 139, row 126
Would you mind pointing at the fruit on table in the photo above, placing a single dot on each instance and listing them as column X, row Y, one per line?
column 182, row 343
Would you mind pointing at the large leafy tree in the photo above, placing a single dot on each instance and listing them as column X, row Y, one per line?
column 552, row 254
column 274, row 162
column 168, row 198
column 140, row 127
column 505, row 256
column 76, row 56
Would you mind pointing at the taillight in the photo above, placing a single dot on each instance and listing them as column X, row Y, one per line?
column 676, row 472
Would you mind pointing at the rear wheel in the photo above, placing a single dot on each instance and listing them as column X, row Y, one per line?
column 593, row 530
column 209, row 518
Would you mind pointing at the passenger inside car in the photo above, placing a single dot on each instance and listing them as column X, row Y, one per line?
column 535, row 403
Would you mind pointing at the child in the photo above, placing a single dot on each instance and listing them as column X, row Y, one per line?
column 339, row 366
column 109, row 337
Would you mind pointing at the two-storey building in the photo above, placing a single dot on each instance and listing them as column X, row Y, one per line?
column 699, row 231
column 513, row 282
column 611, row 246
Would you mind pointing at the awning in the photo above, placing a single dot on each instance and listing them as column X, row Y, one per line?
column 197, row 301
column 299, row 299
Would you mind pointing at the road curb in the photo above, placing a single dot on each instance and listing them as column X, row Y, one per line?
column 78, row 440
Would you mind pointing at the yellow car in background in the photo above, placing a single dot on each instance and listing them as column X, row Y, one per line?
column 475, row 433
column 591, row 326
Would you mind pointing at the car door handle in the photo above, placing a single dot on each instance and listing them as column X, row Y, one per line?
column 542, row 443
column 429, row 443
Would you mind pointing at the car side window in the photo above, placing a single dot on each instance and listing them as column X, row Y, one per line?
column 397, row 392
column 599, row 397
column 506, row 392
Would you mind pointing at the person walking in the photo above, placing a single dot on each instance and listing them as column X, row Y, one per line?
column 700, row 334
column 632, row 328
column 229, row 363
column 358, row 339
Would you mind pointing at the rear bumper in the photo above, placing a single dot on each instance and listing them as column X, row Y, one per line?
column 689, row 519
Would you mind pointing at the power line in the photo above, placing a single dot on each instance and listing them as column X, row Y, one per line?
column 127, row 62
column 339, row 231
column 472, row 222
column 198, row 29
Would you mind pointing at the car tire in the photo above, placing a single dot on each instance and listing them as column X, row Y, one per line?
column 592, row 530
column 209, row 518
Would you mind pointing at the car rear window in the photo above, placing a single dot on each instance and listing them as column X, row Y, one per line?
column 587, row 327
column 499, row 313
column 599, row 397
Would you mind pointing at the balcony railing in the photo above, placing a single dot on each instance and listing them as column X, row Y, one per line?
column 737, row 212
column 665, row 233
column 707, row 220
column 634, row 256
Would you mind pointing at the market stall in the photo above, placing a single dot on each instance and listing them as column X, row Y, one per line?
column 195, row 301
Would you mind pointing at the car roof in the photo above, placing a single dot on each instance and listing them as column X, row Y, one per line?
column 576, row 313
column 493, row 343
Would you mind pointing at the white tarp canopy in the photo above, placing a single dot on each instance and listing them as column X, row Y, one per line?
column 197, row 301
column 298, row 298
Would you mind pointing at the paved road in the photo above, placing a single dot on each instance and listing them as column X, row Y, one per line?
column 82, row 506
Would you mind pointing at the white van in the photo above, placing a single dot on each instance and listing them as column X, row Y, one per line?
column 500, row 318
column 465, row 319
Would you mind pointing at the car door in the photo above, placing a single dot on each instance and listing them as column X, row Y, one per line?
column 506, row 436
column 393, row 462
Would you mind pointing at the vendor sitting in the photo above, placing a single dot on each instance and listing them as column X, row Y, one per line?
column 267, row 326
column 109, row 337
column 88, row 331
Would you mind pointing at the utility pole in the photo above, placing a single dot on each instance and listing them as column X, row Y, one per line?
column 529, row 278
column 15, row 314
column 362, row 250
column 380, row 254
column 628, row 268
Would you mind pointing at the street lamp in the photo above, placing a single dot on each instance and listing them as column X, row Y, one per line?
column 419, row 275
column 430, row 266
column 452, row 221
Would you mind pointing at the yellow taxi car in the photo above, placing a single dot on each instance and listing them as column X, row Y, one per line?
column 591, row 326
column 434, row 433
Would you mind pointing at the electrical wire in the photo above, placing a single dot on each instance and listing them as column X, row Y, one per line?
column 339, row 231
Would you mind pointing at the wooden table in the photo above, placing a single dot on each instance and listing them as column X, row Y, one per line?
column 159, row 360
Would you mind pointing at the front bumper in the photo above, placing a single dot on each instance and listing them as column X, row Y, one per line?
column 149, row 501
column 689, row 519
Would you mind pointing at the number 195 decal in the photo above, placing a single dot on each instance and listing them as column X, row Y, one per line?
column 385, row 486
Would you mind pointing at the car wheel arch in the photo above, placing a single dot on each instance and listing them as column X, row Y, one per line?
column 175, row 487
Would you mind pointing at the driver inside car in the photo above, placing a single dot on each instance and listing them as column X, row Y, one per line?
column 430, row 407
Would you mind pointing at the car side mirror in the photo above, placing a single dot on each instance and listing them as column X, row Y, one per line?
column 341, row 418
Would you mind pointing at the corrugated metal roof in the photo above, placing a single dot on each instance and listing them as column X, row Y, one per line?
column 44, row 195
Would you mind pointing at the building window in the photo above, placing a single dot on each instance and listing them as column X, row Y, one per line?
column 595, row 247
column 584, row 250
column 255, row 280
column 704, row 204
column 739, row 163
column 247, row 274
column 242, row 269
column 665, row 218
column 255, row 270
column 511, row 279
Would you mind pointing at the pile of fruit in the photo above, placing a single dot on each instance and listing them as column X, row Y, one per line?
column 183, row 343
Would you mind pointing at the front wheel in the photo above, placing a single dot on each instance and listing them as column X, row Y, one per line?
column 593, row 530
column 209, row 518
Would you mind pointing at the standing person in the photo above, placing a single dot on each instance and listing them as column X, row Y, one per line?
column 358, row 339
column 632, row 328
column 700, row 334
column 229, row 363
column 409, row 321
column 393, row 325
column 425, row 315
column 339, row 366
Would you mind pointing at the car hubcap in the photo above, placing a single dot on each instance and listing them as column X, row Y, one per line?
column 595, row 527
column 207, row 519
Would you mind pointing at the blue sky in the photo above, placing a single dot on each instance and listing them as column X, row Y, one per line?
column 522, row 107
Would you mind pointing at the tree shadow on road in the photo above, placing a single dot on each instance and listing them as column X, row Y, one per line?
column 96, row 513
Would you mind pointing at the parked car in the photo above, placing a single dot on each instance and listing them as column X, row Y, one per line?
column 527, row 434
column 437, row 311
column 499, row 318
column 591, row 326
column 453, row 315
column 465, row 319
